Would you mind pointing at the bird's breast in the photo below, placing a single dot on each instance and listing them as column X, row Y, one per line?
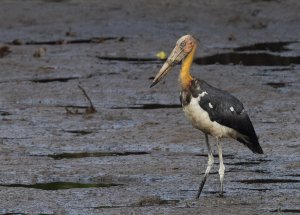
column 200, row 119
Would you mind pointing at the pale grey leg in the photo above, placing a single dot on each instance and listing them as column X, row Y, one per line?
column 222, row 167
column 208, row 168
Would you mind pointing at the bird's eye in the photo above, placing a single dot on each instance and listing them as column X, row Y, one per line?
column 182, row 44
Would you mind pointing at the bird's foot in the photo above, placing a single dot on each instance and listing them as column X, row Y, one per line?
column 221, row 195
column 198, row 195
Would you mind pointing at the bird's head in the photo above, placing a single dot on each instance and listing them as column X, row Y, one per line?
column 183, row 47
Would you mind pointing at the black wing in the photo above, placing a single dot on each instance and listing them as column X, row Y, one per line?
column 228, row 111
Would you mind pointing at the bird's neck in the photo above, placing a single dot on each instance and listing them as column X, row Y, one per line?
column 185, row 77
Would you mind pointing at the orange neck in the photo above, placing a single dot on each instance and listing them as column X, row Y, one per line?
column 185, row 75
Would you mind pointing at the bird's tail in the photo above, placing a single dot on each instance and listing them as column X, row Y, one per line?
column 251, row 142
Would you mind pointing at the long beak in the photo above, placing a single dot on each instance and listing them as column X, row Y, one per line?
column 175, row 57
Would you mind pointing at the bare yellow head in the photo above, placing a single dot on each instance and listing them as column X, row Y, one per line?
column 184, row 46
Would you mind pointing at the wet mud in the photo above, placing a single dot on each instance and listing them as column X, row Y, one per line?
column 82, row 132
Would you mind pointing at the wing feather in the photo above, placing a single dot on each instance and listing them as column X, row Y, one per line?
column 228, row 111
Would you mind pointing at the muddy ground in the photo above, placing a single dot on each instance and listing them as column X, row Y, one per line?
column 137, row 154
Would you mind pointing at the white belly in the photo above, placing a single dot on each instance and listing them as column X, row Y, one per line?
column 200, row 120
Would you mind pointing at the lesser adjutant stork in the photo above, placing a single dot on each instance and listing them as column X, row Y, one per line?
column 211, row 110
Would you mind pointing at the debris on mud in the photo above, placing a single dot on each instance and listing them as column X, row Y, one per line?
column 39, row 52
column 88, row 110
column 71, row 33
column 91, row 109
column 4, row 50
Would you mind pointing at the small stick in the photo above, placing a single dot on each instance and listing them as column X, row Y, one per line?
column 90, row 109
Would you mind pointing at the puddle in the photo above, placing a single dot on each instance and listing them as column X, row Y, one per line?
column 247, row 59
column 268, row 46
column 150, row 106
column 276, row 84
column 78, row 132
column 130, row 59
column 257, row 58
column 48, row 80
column 4, row 113
column 267, row 181
column 60, row 185
column 93, row 154
column 280, row 210
column 293, row 175
column 64, row 41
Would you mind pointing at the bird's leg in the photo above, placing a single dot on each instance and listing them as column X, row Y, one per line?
column 208, row 168
column 222, row 167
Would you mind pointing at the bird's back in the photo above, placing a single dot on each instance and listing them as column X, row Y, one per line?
column 221, row 108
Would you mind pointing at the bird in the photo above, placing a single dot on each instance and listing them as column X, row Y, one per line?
column 211, row 110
